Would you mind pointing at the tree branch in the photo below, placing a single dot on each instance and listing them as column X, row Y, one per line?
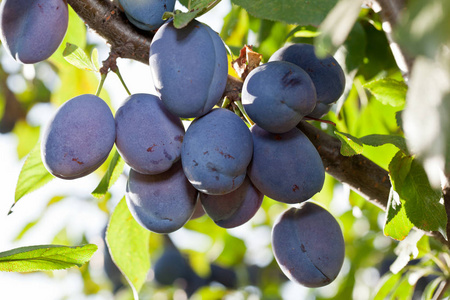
column 361, row 174
column 106, row 19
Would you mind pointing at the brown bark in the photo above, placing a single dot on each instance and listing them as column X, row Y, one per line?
column 106, row 19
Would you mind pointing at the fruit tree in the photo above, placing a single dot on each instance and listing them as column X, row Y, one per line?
column 294, row 149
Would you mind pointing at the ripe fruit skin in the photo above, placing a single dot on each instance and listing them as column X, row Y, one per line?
column 146, row 14
column 32, row 30
column 216, row 151
column 235, row 208
column 189, row 68
column 148, row 137
column 308, row 245
column 285, row 167
column 79, row 137
column 326, row 74
column 277, row 95
column 161, row 203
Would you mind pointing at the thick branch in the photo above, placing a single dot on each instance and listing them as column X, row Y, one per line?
column 361, row 174
column 109, row 22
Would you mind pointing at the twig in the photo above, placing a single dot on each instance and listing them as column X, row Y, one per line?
column 109, row 22
column 443, row 287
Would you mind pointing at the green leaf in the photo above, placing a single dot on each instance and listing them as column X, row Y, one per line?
column 115, row 168
column 76, row 33
column 78, row 58
column 128, row 243
column 95, row 59
column 301, row 12
column 303, row 32
column 421, row 201
column 397, row 224
column 185, row 3
column 403, row 290
column 425, row 118
column 423, row 28
column 376, row 140
column 45, row 257
column 196, row 9
column 181, row 19
column 388, row 91
column 354, row 49
column 27, row 136
column 337, row 25
column 350, row 145
column 386, row 285
column 33, row 174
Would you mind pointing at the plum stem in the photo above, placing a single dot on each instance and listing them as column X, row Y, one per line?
column 320, row 120
column 122, row 81
column 226, row 102
column 100, row 85
column 241, row 108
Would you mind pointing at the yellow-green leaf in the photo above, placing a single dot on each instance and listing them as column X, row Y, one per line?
column 45, row 257
column 33, row 174
column 128, row 243
column 115, row 168
column 78, row 58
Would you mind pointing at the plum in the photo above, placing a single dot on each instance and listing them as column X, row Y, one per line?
column 235, row 208
column 32, row 30
column 146, row 14
column 285, row 167
column 148, row 136
column 161, row 203
column 277, row 95
column 326, row 73
column 198, row 210
column 216, row 151
column 79, row 138
column 308, row 245
column 189, row 68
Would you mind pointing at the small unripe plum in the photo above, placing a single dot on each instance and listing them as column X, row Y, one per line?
column 308, row 245
column 326, row 73
column 161, row 203
column 146, row 14
column 285, row 167
column 79, row 138
column 148, row 137
column 32, row 30
column 189, row 68
column 235, row 208
column 277, row 95
column 216, row 151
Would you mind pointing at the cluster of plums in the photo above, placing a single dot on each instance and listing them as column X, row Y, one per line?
column 218, row 161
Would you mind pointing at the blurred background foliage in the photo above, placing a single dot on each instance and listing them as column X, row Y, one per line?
column 202, row 259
